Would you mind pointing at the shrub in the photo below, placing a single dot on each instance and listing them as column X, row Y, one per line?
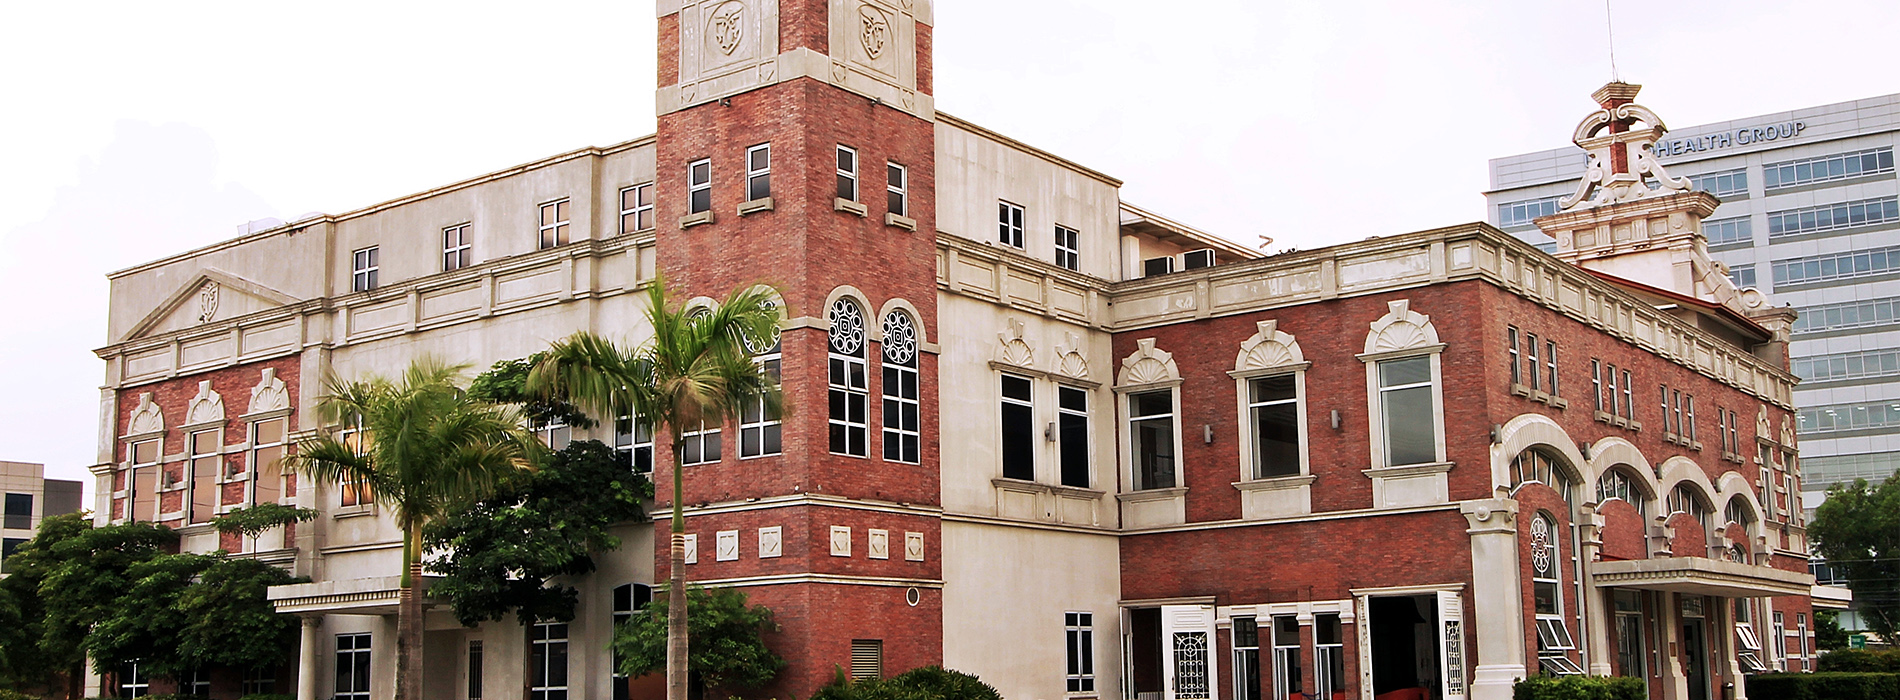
column 927, row 683
column 1825, row 686
column 1580, row 688
column 1861, row 661
column 16, row 695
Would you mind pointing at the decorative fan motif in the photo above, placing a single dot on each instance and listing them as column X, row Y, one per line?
column 847, row 328
column 900, row 339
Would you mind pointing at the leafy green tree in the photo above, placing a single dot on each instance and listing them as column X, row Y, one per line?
column 506, row 382
column 726, row 635
column 29, row 658
column 1827, row 630
column 1858, row 531
column 427, row 447
column 145, row 621
column 506, row 551
column 229, row 619
column 696, row 369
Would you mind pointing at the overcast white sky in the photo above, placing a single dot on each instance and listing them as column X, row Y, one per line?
column 135, row 129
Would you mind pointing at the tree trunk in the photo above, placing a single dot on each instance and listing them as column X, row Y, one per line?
column 409, row 621
column 676, row 585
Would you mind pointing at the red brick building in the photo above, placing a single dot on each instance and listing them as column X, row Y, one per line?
column 1038, row 434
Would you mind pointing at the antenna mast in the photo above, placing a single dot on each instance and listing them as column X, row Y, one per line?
column 1609, row 25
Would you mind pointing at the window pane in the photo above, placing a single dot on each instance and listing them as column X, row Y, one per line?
column 1153, row 403
column 1018, row 442
column 1075, row 450
column 1016, row 388
column 1409, row 427
column 1278, row 388
column 1416, row 370
column 1277, row 440
column 1152, row 445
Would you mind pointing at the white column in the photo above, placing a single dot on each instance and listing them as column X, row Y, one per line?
column 307, row 658
column 1596, row 613
column 1495, row 579
column 1674, row 675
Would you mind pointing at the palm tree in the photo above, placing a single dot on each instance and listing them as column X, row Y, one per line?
column 696, row 370
column 420, row 446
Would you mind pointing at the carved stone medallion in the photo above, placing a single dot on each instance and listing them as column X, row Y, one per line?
column 728, row 28
column 875, row 30
column 207, row 302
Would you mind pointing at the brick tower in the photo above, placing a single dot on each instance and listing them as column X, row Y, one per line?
column 796, row 148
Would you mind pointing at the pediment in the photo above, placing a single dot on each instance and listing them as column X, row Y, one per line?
column 208, row 296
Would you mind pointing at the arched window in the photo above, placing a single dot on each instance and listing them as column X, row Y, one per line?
column 901, row 414
column 1738, row 512
column 1685, row 499
column 1554, row 643
column 759, row 426
column 1539, row 466
column 1617, row 483
column 847, row 379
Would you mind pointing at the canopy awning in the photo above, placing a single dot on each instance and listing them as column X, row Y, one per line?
column 355, row 596
column 1699, row 576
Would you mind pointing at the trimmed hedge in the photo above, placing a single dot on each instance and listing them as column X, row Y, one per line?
column 1825, row 686
column 1580, row 688
column 927, row 683
column 268, row 696
column 1861, row 661
column 16, row 695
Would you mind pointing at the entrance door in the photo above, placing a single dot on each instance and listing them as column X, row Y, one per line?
column 1695, row 663
column 1187, row 640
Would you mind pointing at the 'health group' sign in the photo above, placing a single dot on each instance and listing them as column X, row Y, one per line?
column 1726, row 139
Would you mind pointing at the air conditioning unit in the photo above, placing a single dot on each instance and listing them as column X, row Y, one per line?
column 1157, row 266
column 1197, row 259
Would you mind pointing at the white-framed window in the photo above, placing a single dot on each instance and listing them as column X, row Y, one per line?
column 628, row 599
column 1407, row 396
column 1072, row 430
column 636, row 208
column 261, row 681
column 1517, row 355
column 1747, row 645
column 363, row 269
column 760, row 427
column 1554, row 642
column 1671, row 412
column 896, row 189
column 635, row 437
column 700, row 444
column 1329, row 655
column 354, row 493
column 1079, row 642
column 141, row 487
column 268, row 440
column 1629, row 395
column 1804, row 641
column 1288, row 683
column 352, row 667
column 902, row 413
column 1616, row 483
column 1684, row 499
column 1152, row 439
column 846, row 376
column 1009, row 224
column 1616, row 400
column 699, row 186
column 1537, row 465
column 1596, row 383
column 1018, row 418
column 133, row 681
column 205, row 448
column 1246, row 658
column 1068, row 248
column 1688, row 417
column 195, row 682
column 455, row 247
column 1530, row 356
column 847, row 173
column 758, row 172
column 554, row 218
column 547, row 661
column 1550, row 365
column 555, row 435
column 1273, row 418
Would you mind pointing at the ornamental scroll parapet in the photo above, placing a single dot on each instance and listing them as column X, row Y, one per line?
column 1619, row 138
